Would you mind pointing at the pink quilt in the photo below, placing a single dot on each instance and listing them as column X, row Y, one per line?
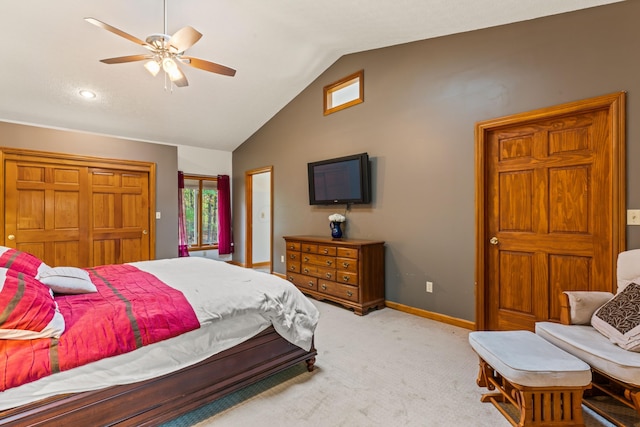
column 131, row 309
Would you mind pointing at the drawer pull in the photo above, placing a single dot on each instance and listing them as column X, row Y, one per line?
column 292, row 256
column 345, row 264
column 311, row 284
column 308, row 249
column 329, row 262
column 345, row 278
column 290, row 278
column 328, row 275
column 306, row 259
column 291, row 247
column 326, row 251
column 292, row 268
column 306, row 270
column 349, row 293
column 324, row 287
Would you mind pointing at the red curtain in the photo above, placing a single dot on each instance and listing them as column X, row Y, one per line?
column 225, row 238
column 183, row 246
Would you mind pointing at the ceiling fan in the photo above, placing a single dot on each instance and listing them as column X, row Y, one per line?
column 165, row 52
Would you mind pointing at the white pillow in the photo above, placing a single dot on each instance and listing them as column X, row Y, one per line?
column 68, row 280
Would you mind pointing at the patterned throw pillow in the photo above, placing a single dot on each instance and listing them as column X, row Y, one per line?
column 619, row 319
column 20, row 261
column 27, row 308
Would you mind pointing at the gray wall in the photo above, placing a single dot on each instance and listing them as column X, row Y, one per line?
column 164, row 156
column 422, row 101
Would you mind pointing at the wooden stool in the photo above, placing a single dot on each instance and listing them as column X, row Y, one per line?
column 543, row 383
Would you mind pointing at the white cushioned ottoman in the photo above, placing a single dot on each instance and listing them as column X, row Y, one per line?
column 543, row 382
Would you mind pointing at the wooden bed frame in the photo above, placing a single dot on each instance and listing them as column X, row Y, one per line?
column 154, row 401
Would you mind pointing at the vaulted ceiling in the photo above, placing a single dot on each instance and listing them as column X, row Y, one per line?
column 277, row 47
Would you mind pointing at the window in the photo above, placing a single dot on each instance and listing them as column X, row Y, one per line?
column 344, row 93
column 200, row 198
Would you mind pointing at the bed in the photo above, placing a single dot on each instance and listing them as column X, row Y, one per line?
column 249, row 325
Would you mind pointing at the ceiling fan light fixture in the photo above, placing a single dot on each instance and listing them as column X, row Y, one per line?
column 169, row 66
column 152, row 67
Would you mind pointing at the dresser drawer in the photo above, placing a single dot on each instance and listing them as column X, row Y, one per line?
column 311, row 270
column 338, row 290
column 346, row 277
column 293, row 256
column 326, row 273
column 347, row 264
column 327, row 250
column 303, row 282
column 308, row 248
column 293, row 266
column 321, row 260
column 348, row 252
column 293, row 246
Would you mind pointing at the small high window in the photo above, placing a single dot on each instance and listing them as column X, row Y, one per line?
column 344, row 93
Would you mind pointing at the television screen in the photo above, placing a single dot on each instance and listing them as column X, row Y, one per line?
column 340, row 180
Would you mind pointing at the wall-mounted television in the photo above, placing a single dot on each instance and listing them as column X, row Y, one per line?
column 342, row 180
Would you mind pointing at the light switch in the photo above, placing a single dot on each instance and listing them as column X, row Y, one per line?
column 158, row 215
column 633, row 216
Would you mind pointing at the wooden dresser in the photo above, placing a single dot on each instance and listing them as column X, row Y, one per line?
column 349, row 272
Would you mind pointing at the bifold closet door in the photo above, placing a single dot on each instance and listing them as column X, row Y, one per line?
column 77, row 213
column 45, row 212
column 119, row 229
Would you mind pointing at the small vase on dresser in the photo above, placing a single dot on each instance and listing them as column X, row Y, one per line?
column 336, row 229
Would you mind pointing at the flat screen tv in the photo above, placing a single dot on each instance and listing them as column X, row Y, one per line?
column 343, row 180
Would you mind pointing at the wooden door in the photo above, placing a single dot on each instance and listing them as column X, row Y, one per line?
column 44, row 211
column 119, row 215
column 552, row 209
column 76, row 211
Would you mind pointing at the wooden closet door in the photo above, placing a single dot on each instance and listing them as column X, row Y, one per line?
column 44, row 211
column 119, row 215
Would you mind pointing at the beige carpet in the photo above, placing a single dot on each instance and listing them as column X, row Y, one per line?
column 387, row 368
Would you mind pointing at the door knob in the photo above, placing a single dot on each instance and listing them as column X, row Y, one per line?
column 11, row 237
column 144, row 231
column 494, row 241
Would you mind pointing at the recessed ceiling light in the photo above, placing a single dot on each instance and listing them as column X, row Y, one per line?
column 87, row 94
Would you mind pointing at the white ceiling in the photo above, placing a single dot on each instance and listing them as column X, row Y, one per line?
column 278, row 47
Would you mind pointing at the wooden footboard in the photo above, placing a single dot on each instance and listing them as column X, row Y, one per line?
column 161, row 399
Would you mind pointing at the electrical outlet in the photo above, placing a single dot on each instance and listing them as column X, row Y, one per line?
column 429, row 287
column 633, row 217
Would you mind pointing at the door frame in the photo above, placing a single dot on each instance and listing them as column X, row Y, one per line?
column 248, row 188
column 615, row 103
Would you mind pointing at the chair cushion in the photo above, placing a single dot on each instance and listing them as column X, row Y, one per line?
column 591, row 346
column 528, row 360
column 584, row 303
column 628, row 268
column 619, row 319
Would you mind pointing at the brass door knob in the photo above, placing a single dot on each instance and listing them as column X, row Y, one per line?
column 494, row 240
column 11, row 237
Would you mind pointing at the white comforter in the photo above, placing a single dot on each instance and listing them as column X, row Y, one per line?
column 220, row 291
column 232, row 304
